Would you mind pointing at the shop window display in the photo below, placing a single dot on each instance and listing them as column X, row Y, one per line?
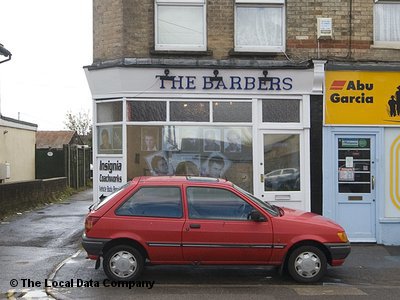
column 221, row 152
column 109, row 139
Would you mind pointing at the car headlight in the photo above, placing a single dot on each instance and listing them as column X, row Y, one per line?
column 343, row 236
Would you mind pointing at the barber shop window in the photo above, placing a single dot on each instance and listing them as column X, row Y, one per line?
column 147, row 111
column 109, row 139
column 260, row 25
column 190, row 111
column 109, row 112
column 180, row 25
column 231, row 111
column 387, row 24
column 281, row 111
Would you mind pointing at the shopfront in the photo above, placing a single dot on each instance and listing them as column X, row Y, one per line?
column 361, row 157
column 247, row 125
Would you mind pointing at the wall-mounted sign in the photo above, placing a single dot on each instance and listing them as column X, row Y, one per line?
column 362, row 98
column 110, row 175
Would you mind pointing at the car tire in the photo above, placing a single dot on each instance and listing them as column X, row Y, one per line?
column 307, row 264
column 123, row 263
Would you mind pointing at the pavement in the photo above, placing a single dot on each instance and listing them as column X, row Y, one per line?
column 370, row 269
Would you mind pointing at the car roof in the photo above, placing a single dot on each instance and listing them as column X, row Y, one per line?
column 180, row 179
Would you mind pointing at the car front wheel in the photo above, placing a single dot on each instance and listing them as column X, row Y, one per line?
column 123, row 263
column 307, row 264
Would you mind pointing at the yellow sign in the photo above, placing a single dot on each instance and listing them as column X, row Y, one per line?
column 394, row 172
column 362, row 98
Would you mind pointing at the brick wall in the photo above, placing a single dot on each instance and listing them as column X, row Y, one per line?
column 125, row 28
column 25, row 195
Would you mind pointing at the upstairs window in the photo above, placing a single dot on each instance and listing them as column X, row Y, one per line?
column 260, row 25
column 180, row 25
column 387, row 23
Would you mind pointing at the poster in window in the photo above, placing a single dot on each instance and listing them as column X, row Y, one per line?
column 212, row 140
column 149, row 138
column 159, row 164
column 215, row 165
column 190, row 139
column 233, row 140
column 109, row 139
column 346, row 174
column 186, row 164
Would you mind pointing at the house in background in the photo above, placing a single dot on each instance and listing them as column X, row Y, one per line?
column 62, row 154
column 17, row 150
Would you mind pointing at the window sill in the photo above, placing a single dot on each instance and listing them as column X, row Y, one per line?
column 236, row 53
column 386, row 45
column 181, row 52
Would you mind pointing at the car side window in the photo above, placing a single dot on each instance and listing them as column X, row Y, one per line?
column 162, row 202
column 217, row 204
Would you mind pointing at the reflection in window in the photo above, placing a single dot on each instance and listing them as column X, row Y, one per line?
column 232, row 111
column 145, row 111
column 281, row 111
column 109, row 112
column 213, row 203
column 190, row 111
column 163, row 202
column 282, row 162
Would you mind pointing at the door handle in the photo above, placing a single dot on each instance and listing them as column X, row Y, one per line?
column 262, row 178
column 195, row 226
column 373, row 182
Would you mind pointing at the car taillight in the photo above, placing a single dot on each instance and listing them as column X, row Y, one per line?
column 90, row 222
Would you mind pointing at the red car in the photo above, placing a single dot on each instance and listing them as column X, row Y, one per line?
column 194, row 220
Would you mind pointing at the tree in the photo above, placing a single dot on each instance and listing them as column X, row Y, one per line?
column 81, row 122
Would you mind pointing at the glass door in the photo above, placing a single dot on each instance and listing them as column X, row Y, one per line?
column 355, row 186
column 281, row 167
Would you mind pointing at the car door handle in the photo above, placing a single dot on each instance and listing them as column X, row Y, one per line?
column 195, row 226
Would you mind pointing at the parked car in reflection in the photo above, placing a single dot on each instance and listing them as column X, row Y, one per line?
column 206, row 221
column 287, row 179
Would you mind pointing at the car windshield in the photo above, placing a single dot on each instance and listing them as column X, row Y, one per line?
column 104, row 200
column 268, row 207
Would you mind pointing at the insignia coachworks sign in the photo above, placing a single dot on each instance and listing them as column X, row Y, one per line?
column 110, row 175
column 362, row 98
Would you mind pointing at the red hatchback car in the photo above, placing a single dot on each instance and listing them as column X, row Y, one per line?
column 193, row 220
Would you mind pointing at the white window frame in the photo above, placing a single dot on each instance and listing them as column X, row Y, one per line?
column 180, row 47
column 384, row 44
column 262, row 3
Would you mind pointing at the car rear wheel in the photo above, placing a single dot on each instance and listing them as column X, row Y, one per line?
column 307, row 264
column 123, row 263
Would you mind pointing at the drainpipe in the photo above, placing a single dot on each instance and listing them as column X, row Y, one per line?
column 6, row 53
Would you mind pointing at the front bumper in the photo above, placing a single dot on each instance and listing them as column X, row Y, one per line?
column 93, row 246
column 339, row 251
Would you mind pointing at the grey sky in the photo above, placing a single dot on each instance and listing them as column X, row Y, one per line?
column 50, row 42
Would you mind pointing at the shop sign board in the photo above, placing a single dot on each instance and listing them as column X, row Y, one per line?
column 392, row 182
column 110, row 175
column 362, row 98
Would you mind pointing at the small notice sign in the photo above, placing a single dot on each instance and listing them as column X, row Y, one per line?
column 346, row 174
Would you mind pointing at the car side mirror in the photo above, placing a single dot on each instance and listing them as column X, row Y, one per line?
column 102, row 197
column 256, row 216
